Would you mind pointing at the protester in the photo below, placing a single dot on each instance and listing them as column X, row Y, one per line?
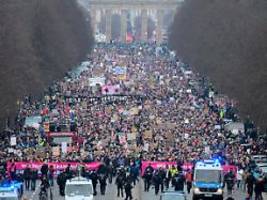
column 178, row 182
column 148, row 174
column 120, row 181
column 126, row 104
column 94, row 178
column 34, row 177
column 128, row 191
column 229, row 180
column 189, row 180
column 103, row 183
column 27, row 177
column 61, row 181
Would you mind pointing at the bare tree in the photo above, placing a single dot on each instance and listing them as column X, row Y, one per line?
column 227, row 41
column 39, row 41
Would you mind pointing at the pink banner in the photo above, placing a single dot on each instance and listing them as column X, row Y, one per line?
column 186, row 166
column 110, row 89
column 58, row 166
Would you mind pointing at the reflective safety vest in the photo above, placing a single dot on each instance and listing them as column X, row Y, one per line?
column 173, row 171
column 42, row 142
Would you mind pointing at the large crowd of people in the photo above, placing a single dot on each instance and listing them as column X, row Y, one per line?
column 130, row 103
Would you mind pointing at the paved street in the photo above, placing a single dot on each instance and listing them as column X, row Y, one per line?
column 138, row 194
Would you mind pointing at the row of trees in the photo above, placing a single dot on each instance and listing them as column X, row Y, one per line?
column 227, row 41
column 39, row 41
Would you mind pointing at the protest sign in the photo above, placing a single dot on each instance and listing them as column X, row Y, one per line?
column 134, row 111
column 120, row 72
column 110, row 89
column 148, row 134
column 56, row 151
column 131, row 136
column 13, row 141
column 97, row 81
column 64, row 147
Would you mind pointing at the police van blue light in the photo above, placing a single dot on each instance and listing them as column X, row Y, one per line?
column 11, row 190
column 208, row 180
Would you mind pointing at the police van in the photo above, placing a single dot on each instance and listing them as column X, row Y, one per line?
column 208, row 180
column 79, row 188
column 11, row 190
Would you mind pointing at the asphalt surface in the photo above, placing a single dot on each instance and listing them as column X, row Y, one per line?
column 111, row 194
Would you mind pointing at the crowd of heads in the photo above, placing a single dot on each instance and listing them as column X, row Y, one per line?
column 158, row 110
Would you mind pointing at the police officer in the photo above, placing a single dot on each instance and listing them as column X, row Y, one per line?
column 162, row 176
column 51, row 172
column 259, row 187
column 148, row 173
column 250, row 184
column 103, row 183
column 27, row 177
column 61, row 181
column 134, row 172
column 189, row 180
column 44, row 169
column 168, row 177
column 68, row 172
column 120, row 181
column 110, row 172
column 128, row 190
column 178, row 181
column 156, row 181
column 44, row 186
column 94, row 178
column 229, row 180
column 34, row 176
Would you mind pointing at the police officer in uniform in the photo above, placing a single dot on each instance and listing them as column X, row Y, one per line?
column 178, row 181
column 61, row 181
column 156, row 181
column 34, row 177
column 148, row 177
column 128, row 190
column 94, row 178
column 103, row 183
column 120, row 181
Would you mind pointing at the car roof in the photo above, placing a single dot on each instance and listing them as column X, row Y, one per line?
column 79, row 181
column 173, row 196
column 173, row 193
column 259, row 156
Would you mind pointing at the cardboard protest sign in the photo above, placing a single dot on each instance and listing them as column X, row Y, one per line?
column 46, row 127
column 56, row 151
column 134, row 111
column 146, row 147
column 207, row 149
column 132, row 147
column 13, row 141
column 131, row 136
column 110, row 89
column 134, row 129
column 122, row 139
column 148, row 134
column 120, row 72
column 97, row 81
column 64, row 147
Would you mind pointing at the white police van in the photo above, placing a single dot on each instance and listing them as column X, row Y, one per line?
column 79, row 188
column 208, row 180
column 11, row 190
